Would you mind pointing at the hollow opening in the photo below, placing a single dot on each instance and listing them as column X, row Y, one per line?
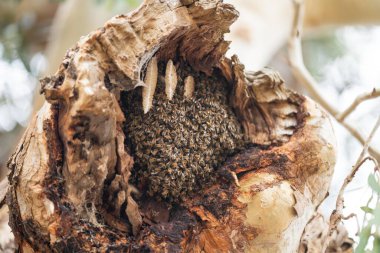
column 178, row 144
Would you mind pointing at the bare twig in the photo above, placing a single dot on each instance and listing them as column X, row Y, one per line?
column 336, row 216
column 305, row 78
column 353, row 215
column 371, row 158
column 360, row 99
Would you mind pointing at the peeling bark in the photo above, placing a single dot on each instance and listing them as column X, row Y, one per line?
column 315, row 238
column 3, row 191
column 70, row 182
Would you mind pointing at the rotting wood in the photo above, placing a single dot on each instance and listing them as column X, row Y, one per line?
column 73, row 185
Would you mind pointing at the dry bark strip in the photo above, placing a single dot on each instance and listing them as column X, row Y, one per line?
column 3, row 191
column 70, row 185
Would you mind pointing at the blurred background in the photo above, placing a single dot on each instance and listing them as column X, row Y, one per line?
column 341, row 46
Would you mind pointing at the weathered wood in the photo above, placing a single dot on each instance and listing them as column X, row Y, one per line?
column 70, row 181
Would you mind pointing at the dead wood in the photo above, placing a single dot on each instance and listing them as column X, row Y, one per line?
column 75, row 184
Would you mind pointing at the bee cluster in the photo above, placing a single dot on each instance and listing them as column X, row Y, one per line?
column 184, row 135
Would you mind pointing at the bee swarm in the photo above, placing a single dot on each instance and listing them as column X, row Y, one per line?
column 181, row 141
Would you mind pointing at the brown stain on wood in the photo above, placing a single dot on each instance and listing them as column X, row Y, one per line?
column 82, row 136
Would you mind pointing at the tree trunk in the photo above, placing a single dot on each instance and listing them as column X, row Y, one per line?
column 151, row 140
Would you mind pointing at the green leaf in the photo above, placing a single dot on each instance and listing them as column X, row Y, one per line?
column 376, row 214
column 366, row 209
column 373, row 183
column 363, row 239
column 376, row 244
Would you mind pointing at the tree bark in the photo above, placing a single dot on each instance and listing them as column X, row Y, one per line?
column 70, row 186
